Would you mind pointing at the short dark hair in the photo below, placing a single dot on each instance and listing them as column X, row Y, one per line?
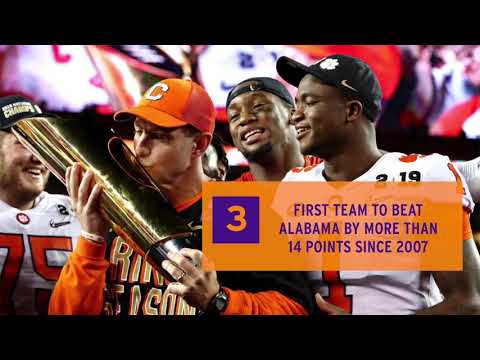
column 368, row 111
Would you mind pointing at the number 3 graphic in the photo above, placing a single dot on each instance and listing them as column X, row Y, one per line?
column 240, row 218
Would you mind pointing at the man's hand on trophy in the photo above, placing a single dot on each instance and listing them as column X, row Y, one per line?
column 85, row 195
column 194, row 284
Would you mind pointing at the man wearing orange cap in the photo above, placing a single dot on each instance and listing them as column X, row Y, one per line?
column 174, row 123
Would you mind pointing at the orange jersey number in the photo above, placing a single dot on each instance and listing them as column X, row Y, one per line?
column 13, row 243
column 337, row 291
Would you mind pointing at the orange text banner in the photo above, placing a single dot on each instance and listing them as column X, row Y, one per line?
column 315, row 226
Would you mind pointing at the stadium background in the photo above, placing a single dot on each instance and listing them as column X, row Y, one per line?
column 431, row 92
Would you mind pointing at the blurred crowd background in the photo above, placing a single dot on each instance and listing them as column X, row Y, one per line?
column 431, row 92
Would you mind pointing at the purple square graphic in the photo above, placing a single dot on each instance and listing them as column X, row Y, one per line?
column 240, row 224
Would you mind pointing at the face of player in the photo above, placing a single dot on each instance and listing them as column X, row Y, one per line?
column 319, row 117
column 21, row 173
column 257, row 122
column 165, row 153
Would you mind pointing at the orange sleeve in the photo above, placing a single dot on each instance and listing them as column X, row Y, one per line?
column 467, row 229
column 261, row 303
column 79, row 289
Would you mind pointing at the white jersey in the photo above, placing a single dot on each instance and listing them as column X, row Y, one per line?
column 34, row 246
column 385, row 292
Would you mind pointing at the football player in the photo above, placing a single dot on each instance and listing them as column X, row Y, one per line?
column 258, row 111
column 38, row 230
column 337, row 103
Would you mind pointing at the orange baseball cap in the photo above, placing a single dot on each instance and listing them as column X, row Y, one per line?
column 173, row 103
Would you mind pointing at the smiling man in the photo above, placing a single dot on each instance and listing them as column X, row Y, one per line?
column 37, row 229
column 258, row 111
column 337, row 103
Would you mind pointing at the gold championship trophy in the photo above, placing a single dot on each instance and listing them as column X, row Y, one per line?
column 135, row 207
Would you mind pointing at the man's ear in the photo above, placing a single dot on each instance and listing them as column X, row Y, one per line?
column 200, row 144
column 354, row 110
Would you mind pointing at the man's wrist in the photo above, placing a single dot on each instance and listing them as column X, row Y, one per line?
column 218, row 304
column 97, row 239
